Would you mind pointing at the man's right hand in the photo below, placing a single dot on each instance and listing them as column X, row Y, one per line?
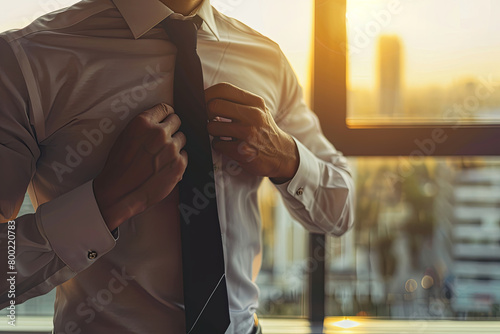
column 144, row 165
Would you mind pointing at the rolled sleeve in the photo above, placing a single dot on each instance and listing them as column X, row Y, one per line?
column 75, row 229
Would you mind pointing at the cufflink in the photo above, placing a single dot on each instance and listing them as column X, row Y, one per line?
column 92, row 255
column 299, row 191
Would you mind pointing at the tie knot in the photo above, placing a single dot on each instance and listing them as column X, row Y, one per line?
column 182, row 32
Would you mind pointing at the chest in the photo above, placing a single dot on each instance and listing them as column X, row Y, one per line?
column 90, row 93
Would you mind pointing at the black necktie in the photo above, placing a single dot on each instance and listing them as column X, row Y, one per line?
column 205, row 292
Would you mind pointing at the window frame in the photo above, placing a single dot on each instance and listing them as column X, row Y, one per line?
column 329, row 101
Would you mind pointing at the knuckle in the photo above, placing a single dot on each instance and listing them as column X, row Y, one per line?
column 167, row 109
column 176, row 161
column 159, row 135
column 171, row 150
column 259, row 111
column 255, row 112
column 261, row 102
column 183, row 139
column 179, row 164
column 174, row 118
column 141, row 121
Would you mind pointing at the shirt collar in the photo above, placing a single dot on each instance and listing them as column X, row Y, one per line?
column 142, row 15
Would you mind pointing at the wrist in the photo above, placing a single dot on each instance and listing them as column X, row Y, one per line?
column 290, row 163
column 110, row 211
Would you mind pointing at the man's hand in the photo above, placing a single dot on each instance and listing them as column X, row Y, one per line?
column 144, row 165
column 244, row 130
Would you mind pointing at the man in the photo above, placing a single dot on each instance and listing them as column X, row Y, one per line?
column 87, row 126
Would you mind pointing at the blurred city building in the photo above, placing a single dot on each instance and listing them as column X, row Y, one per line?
column 390, row 68
column 476, row 239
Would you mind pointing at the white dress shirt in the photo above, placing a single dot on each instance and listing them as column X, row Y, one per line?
column 70, row 82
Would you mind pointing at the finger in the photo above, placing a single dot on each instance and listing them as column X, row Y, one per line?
column 180, row 140
column 157, row 187
column 169, row 165
column 238, row 150
column 171, row 124
column 161, row 134
column 231, row 110
column 222, row 129
column 159, row 112
column 229, row 92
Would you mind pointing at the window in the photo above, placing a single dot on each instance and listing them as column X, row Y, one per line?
column 422, row 62
column 425, row 242
column 409, row 70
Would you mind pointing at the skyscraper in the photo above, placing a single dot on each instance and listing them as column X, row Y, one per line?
column 389, row 75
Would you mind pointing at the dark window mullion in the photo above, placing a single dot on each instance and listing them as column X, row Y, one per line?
column 316, row 268
column 327, row 91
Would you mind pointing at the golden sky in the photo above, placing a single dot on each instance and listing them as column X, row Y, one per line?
column 443, row 40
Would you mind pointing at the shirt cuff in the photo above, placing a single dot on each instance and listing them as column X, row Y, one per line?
column 75, row 229
column 304, row 183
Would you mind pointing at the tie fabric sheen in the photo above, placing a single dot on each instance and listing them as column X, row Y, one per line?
column 205, row 291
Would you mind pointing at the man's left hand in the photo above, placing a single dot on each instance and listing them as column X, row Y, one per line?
column 244, row 130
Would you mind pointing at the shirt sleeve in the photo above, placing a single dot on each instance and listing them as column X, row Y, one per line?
column 65, row 235
column 320, row 196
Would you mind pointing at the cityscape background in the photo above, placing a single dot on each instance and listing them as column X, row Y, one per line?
column 426, row 245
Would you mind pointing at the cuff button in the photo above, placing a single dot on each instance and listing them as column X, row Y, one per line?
column 92, row 255
column 299, row 191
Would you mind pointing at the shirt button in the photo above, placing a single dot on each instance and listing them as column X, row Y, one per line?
column 299, row 191
column 92, row 255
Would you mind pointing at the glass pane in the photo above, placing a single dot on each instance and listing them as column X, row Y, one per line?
column 423, row 61
column 282, row 279
column 426, row 244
